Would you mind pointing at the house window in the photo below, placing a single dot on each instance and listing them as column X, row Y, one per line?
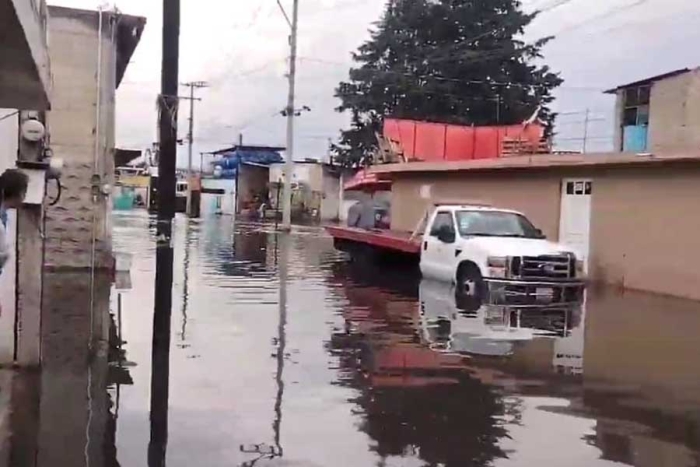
column 636, row 106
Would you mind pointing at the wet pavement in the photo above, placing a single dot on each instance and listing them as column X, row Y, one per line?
column 284, row 353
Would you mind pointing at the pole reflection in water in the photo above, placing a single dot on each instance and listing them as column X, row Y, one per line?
column 186, row 282
column 263, row 451
column 160, row 375
column 283, row 266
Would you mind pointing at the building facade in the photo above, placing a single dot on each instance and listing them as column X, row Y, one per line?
column 630, row 217
column 316, row 185
column 658, row 114
column 90, row 50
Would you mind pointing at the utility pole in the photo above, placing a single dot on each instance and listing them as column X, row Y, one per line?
column 585, row 130
column 290, row 113
column 167, row 130
column 190, row 138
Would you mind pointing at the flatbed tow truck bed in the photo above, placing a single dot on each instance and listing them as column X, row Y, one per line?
column 387, row 240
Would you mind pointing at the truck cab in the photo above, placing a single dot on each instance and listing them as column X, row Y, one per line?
column 499, row 256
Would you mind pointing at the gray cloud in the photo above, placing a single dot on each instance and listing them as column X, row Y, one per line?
column 241, row 48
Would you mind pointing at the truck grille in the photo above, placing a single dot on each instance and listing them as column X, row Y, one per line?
column 550, row 267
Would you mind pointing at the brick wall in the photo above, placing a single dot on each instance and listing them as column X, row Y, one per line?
column 73, row 124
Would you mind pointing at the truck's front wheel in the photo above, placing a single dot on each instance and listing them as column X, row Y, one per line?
column 471, row 288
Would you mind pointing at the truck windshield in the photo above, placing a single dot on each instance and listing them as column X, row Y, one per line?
column 495, row 224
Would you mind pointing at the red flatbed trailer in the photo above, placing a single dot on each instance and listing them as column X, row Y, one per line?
column 387, row 240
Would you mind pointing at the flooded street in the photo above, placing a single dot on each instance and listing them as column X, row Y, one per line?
column 284, row 353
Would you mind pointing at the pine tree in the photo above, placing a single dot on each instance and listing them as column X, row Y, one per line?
column 448, row 61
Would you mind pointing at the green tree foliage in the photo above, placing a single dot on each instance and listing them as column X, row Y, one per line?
column 449, row 61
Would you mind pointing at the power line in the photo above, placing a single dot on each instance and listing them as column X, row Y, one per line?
column 605, row 14
column 284, row 13
column 229, row 57
column 455, row 80
column 223, row 76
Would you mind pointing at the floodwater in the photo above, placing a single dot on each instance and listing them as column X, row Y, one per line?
column 285, row 354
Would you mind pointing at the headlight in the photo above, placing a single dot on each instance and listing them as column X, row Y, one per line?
column 498, row 266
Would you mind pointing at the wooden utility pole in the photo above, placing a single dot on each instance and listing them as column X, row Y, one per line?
column 167, row 130
column 290, row 112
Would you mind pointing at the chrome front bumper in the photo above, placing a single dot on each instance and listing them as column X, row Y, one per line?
column 535, row 293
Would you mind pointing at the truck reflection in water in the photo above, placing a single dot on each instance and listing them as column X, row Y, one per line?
column 451, row 387
column 450, row 325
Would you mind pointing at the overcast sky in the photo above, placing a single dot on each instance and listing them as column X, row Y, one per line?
column 240, row 47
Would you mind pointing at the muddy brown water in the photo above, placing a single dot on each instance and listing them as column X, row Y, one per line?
column 284, row 353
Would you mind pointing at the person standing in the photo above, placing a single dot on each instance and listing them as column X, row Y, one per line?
column 13, row 189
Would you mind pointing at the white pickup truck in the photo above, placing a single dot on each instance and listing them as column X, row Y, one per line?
column 499, row 256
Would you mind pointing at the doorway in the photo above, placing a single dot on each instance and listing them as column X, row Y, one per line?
column 575, row 216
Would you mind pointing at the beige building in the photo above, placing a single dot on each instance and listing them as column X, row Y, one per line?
column 316, row 184
column 90, row 51
column 632, row 217
column 658, row 114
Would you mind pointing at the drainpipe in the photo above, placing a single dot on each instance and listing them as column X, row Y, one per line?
column 96, row 179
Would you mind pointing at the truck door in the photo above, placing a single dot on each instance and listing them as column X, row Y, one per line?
column 437, row 257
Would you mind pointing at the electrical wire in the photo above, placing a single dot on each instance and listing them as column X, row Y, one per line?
column 506, row 84
column 11, row 114
column 284, row 13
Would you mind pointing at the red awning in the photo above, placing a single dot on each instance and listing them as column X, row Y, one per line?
column 365, row 180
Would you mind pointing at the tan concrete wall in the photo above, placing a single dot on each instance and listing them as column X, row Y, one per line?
column 536, row 195
column 675, row 113
column 73, row 128
column 644, row 233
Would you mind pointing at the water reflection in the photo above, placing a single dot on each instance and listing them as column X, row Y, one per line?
column 435, row 375
column 494, row 330
column 295, row 356
column 67, row 414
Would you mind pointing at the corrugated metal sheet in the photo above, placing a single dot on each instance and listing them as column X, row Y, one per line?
column 434, row 142
column 230, row 161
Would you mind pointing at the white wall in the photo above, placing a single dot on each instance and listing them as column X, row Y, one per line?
column 330, row 205
column 208, row 204
column 309, row 174
column 8, row 156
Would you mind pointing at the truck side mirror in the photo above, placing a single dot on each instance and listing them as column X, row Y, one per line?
column 541, row 234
